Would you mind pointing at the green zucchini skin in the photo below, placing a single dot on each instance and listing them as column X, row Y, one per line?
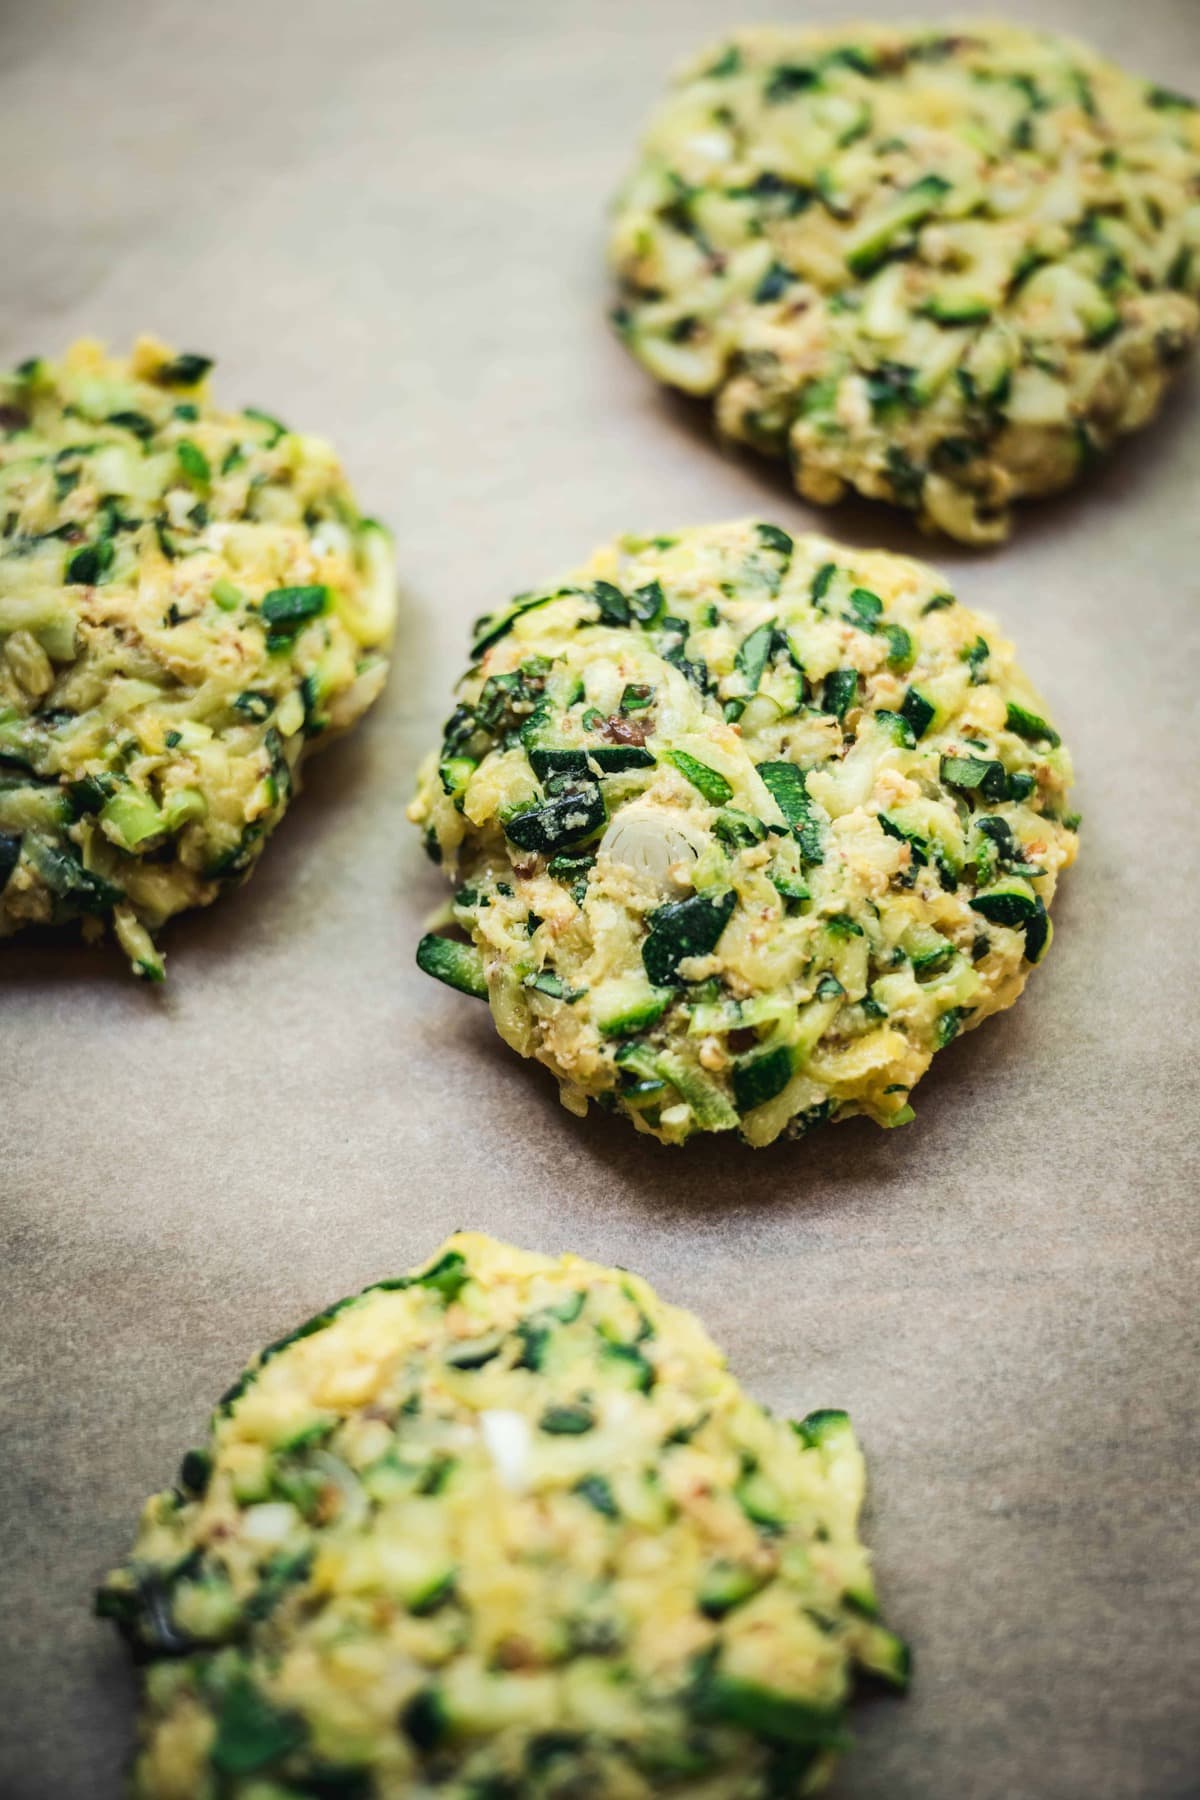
column 745, row 828
column 840, row 235
column 481, row 1528
column 458, row 965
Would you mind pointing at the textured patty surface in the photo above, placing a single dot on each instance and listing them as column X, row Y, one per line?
column 189, row 600
column 505, row 1526
column 943, row 269
column 744, row 829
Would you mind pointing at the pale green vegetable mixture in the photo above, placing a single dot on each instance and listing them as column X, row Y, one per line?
column 189, row 601
column 946, row 268
column 743, row 830
column 502, row 1527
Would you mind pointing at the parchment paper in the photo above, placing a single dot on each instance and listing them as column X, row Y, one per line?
column 385, row 220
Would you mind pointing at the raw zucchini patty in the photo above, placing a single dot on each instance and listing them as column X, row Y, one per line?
column 189, row 601
column 945, row 270
column 744, row 829
column 505, row 1526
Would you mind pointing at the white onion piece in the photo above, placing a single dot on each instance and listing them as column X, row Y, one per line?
column 508, row 1440
column 269, row 1523
column 648, row 844
column 353, row 1505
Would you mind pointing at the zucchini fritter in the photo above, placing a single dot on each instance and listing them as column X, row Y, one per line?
column 944, row 268
column 504, row 1526
column 189, row 601
column 744, row 830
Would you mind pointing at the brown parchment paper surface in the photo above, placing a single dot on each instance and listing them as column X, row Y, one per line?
column 385, row 219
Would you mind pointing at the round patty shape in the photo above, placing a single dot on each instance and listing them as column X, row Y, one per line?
column 943, row 269
column 745, row 829
column 504, row 1526
column 189, row 600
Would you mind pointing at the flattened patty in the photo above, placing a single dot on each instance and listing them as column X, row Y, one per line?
column 190, row 600
column 946, row 270
column 743, row 829
column 503, row 1526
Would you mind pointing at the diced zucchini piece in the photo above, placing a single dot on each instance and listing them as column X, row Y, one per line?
column 138, row 945
column 787, row 788
column 618, row 759
column 569, row 1419
column 706, row 1100
column 883, row 1654
column 732, row 1015
column 566, row 818
column 187, row 369
column 476, row 1352
column 929, row 953
column 1038, row 933
column 288, row 609
column 901, row 651
column 773, row 538
column 958, row 309
column 872, row 240
column 597, row 1491
column 563, row 759
column 783, row 684
column 692, row 363
column 638, row 1059
column 252, row 1732
column 708, row 782
column 825, row 1425
column 769, row 1713
column 738, row 830
column 791, row 890
column 226, row 595
column 193, row 462
column 949, row 1024
column 642, row 1094
column 625, row 1005
column 822, row 582
column 629, row 1368
column 425, row 1719
column 454, row 772
column 1011, row 903
column 433, row 1591
column 864, row 609
column 684, row 928
column 131, row 817
column 841, row 691
column 458, row 965
column 726, row 1585
column 976, row 774
column 760, row 1500
column 63, row 873
column 918, row 712
column 895, row 728
column 885, row 313
column 373, row 614
column 757, row 1079
column 88, row 567
column 447, row 1276
column 752, row 655
column 1030, row 725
